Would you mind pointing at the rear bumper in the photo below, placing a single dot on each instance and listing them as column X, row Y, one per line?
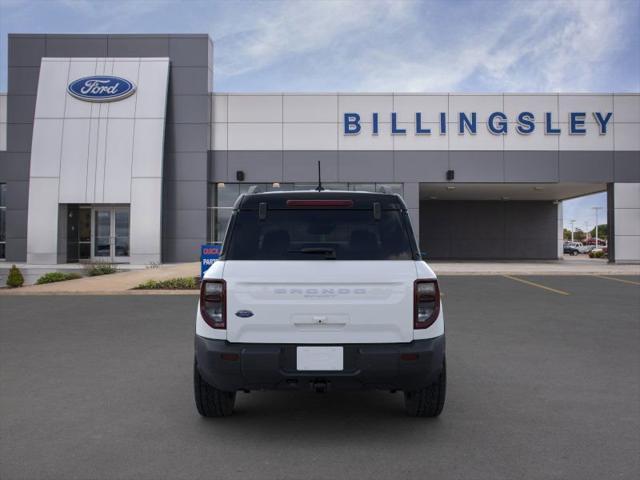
column 252, row 366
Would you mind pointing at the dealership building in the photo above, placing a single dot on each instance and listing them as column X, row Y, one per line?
column 117, row 148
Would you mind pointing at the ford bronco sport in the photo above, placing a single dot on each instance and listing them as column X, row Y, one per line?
column 319, row 290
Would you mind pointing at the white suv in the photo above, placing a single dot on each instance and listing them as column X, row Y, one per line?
column 319, row 290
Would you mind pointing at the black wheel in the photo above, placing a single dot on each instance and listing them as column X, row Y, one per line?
column 429, row 401
column 574, row 253
column 210, row 401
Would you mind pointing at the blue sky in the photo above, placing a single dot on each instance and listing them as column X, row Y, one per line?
column 370, row 45
column 581, row 210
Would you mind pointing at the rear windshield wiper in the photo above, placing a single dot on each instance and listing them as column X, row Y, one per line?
column 330, row 253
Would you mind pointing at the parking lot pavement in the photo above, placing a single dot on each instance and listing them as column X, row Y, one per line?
column 542, row 385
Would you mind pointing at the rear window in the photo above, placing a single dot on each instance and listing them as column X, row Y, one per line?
column 319, row 235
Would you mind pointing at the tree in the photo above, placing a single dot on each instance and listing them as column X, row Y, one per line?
column 603, row 231
column 579, row 235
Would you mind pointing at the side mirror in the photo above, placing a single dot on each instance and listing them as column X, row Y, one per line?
column 423, row 256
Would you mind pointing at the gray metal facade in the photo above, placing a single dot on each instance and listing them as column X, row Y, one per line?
column 448, row 229
column 457, row 229
column 427, row 166
column 186, row 132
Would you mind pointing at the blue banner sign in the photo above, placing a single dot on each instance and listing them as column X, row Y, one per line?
column 209, row 253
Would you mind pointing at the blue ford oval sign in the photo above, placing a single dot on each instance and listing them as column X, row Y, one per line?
column 101, row 88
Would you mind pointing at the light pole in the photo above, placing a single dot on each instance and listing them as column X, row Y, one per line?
column 586, row 231
column 596, row 209
column 572, row 222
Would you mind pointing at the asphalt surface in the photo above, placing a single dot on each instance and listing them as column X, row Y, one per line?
column 542, row 385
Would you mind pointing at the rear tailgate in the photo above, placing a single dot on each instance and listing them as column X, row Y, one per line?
column 319, row 302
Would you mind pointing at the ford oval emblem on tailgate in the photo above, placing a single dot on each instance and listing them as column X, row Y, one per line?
column 244, row 313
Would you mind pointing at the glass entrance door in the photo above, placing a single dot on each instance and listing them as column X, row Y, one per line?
column 102, row 233
column 78, row 232
column 121, row 233
column 111, row 234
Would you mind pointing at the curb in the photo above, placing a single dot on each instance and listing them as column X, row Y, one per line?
column 15, row 293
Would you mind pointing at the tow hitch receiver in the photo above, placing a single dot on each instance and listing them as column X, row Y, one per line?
column 319, row 386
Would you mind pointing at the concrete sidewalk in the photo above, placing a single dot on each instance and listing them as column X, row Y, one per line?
column 568, row 266
column 124, row 282
column 116, row 283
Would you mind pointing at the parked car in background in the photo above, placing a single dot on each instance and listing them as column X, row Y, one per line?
column 573, row 248
column 592, row 241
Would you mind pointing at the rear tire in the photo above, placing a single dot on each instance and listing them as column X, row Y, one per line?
column 210, row 401
column 574, row 253
column 429, row 401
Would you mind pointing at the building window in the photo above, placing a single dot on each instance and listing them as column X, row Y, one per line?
column 222, row 196
column 3, row 220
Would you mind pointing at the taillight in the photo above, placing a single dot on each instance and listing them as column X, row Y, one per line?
column 426, row 303
column 213, row 303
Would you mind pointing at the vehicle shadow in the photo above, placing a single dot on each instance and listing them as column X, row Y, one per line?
column 337, row 417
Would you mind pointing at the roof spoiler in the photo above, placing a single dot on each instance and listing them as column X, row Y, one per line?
column 386, row 189
column 254, row 189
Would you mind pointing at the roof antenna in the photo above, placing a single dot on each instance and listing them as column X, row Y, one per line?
column 319, row 188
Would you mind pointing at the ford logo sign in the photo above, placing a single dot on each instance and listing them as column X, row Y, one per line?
column 244, row 313
column 101, row 88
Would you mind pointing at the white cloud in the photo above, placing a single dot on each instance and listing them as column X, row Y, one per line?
column 532, row 46
column 559, row 47
column 111, row 15
column 556, row 52
column 377, row 45
column 297, row 29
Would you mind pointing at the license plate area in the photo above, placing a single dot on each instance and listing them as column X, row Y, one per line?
column 320, row 358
